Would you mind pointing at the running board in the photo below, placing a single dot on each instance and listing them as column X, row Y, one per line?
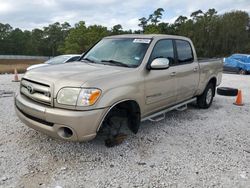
column 158, row 116
column 182, row 108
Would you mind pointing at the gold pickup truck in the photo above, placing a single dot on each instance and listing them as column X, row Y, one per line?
column 128, row 77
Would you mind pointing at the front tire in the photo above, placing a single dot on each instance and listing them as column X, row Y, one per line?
column 205, row 100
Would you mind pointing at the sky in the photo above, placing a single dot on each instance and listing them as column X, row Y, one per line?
column 30, row 14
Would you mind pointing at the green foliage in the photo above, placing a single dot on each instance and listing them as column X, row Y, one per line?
column 156, row 16
column 38, row 43
column 54, row 36
column 143, row 23
column 154, row 19
column 213, row 35
column 234, row 32
column 117, row 29
column 150, row 29
column 216, row 35
column 5, row 31
column 35, row 42
column 81, row 38
column 18, row 40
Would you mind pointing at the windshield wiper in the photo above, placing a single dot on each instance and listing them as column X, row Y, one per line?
column 115, row 63
column 90, row 60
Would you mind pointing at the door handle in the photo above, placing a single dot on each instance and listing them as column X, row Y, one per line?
column 195, row 69
column 173, row 74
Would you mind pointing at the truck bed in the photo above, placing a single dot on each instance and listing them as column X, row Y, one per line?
column 208, row 68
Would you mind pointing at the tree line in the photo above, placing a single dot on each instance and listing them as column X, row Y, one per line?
column 213, row 34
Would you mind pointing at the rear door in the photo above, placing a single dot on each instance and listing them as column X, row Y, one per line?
column 187, row 70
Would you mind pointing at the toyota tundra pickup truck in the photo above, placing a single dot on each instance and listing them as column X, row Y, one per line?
column 128, row 78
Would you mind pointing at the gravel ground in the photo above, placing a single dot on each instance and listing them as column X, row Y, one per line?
column 193, row 148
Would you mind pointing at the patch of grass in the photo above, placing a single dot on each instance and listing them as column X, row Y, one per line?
column 9, row 65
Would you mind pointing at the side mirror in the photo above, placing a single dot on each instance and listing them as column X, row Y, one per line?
column 159, row 63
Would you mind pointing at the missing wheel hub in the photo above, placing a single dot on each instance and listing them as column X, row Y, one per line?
column 116, row 140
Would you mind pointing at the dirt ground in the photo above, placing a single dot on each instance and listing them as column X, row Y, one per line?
column 8, row 65
column 192, row 148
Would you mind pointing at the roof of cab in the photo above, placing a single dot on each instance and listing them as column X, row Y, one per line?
column 148, row 36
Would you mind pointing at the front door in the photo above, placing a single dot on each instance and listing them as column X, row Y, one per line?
column 160, row 85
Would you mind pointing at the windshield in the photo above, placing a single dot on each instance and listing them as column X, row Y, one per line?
column 127, row 52
column 57, row 60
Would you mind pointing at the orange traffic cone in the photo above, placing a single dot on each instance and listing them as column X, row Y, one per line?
column 15, row 76
column 239, row 101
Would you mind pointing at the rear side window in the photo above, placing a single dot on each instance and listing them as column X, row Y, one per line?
column 184, row 51
column 163, row 49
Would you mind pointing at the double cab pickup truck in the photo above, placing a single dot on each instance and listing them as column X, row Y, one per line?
column 123, row 78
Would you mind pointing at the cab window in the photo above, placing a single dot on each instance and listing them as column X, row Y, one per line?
column 184, row 51
column 163, row 49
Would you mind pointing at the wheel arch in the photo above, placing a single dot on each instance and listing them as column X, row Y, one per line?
column 202, row 99
column 134, row 107
column 213, row 80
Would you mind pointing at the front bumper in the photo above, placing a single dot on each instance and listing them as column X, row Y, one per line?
column 52, row 121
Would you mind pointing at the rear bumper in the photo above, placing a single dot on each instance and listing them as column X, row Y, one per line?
column 52, row 121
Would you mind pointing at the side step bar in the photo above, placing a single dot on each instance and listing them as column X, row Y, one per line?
column 158, row 116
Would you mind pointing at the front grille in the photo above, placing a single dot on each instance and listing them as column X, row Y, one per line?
column 36, row 91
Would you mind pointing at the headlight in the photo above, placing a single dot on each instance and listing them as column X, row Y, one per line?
column 88, row 97
column 68, row 96
column 78, row 96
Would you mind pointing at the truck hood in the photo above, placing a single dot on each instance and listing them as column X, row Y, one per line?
column 37, row 66
column 72, row 74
